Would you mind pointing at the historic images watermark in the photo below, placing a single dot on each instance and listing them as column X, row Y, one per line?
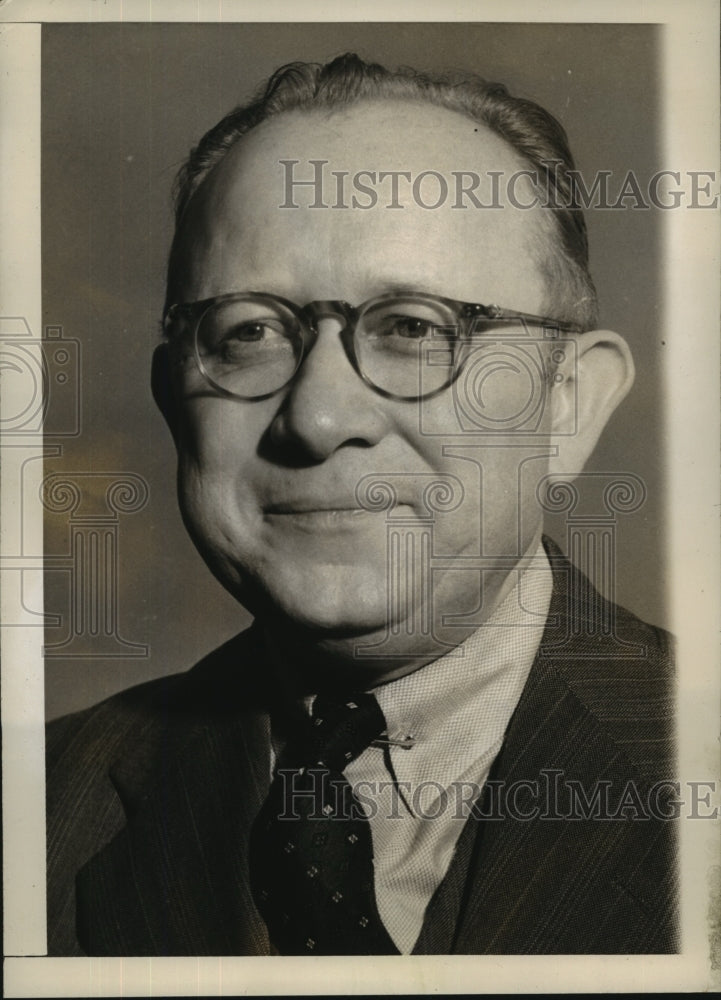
column 310, row 184
column 553, row 796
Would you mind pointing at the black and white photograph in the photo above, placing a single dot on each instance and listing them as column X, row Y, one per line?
column 360, row 559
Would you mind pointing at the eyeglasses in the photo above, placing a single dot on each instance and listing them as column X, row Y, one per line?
column 406, row 346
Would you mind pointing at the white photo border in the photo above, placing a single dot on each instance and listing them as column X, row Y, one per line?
column 691, row 138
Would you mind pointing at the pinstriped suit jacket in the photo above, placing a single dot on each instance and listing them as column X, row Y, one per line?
column 151, row 796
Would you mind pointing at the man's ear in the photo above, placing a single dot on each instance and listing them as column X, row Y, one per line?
column 162, row 386
column 590, row 382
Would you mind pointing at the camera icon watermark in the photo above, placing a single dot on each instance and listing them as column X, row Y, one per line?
column 503, row 382
column 41, row 403
column 41, row 380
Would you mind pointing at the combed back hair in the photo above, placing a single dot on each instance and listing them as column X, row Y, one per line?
column 535, row 135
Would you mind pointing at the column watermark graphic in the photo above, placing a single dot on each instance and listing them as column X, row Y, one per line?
column 94, row 503
column 43, row 378
column 591, row 545
column 41, row 385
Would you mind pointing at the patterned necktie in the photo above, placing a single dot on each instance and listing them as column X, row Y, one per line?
column 311, row 853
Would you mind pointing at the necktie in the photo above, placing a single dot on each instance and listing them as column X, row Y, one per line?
column 311, row 852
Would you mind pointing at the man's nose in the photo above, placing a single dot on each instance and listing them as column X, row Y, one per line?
column 328, row 405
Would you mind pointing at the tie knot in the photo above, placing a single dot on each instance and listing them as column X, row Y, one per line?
column 342, row 728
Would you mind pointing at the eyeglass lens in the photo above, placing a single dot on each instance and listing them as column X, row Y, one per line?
column 403, row 346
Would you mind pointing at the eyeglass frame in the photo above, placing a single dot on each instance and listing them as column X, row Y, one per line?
column 307, row 317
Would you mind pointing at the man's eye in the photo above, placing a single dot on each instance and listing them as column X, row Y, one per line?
column 250, row 332
column 408, row 327
column 261, row 333
column 249, row 341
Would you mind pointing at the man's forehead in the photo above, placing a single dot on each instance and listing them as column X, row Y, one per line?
column 283, row 161
column 373, row 136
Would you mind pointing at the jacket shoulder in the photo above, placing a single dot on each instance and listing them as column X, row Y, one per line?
column 621, row 668
column 176, row 703
column 140, row 728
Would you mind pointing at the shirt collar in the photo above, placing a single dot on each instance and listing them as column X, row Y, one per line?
column 458, row 707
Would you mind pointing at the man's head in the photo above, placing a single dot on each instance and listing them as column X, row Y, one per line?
column 277, row 488
column 535, row 135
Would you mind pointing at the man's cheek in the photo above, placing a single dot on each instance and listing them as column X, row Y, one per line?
column 209, row 505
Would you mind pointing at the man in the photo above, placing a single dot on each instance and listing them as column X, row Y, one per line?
column 436, row 737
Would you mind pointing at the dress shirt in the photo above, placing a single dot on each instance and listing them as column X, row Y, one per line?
column 458, row 708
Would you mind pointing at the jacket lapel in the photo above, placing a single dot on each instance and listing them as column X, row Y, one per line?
column 441, row 917
column 543, row 879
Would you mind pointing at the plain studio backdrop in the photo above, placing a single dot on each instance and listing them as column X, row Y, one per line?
column 122, row 106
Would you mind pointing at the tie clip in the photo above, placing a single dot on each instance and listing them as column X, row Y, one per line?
column 403, row 740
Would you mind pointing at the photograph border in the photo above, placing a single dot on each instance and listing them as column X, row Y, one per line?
column 691, row 133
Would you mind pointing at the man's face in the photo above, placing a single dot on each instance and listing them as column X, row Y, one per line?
column 268, row 487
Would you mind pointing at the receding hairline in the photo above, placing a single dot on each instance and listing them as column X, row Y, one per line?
column 325, row 113
column 538, row 237
column 532, row 133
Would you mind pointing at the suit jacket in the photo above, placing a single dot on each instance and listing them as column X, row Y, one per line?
column 151, row 796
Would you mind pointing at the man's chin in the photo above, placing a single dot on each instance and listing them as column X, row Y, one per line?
column 324, row 619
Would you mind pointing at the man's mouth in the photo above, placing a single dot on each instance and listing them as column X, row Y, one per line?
column 313, row 507
column 340, row 514
column 318, row 518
